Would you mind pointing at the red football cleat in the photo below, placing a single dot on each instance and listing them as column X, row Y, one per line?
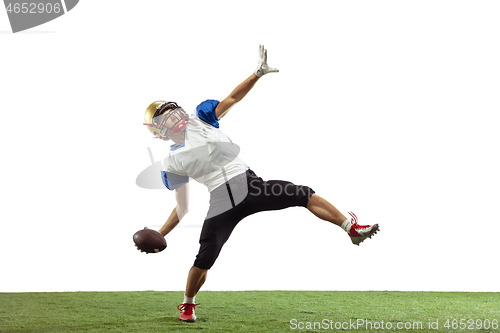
column 358, row 232
column 187, row 312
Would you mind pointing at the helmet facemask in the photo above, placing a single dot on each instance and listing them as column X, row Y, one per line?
column 169, row 118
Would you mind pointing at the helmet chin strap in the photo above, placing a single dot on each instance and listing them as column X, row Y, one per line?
column 178, row 114
column 180, row 125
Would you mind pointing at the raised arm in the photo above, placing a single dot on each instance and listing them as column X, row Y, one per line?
column 182, row 198
column 236, row 95
column 243, row 88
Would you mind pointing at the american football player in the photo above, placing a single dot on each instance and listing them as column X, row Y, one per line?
column 201, row 151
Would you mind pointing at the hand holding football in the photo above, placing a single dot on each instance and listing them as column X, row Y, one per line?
column 149, row 241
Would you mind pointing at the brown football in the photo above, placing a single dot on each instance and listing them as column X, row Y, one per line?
column 149, row 241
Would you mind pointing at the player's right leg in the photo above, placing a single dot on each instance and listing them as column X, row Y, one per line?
column 214, row 234
column 196, row 278
column 187, row 312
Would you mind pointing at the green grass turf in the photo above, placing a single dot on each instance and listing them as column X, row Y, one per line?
column 241, row 311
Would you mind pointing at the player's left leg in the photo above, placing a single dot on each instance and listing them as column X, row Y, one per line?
column 279, row 194
column 326, row 211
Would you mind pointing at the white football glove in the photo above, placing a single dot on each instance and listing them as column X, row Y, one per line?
column 262, row 67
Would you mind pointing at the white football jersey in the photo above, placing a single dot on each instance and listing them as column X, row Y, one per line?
column 207, row 154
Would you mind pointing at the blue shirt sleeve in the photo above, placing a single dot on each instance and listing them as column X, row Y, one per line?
column 206, row 112
column 173, row 181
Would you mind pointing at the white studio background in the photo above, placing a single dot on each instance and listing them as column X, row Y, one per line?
column 385, row 108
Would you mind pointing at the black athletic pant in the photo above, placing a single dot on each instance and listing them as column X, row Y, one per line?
column 242, row 196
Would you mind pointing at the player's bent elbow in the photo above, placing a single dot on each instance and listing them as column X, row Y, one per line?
column 181, row 211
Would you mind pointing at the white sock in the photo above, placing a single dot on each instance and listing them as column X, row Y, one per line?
column 346, row 225
column 188, row 300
